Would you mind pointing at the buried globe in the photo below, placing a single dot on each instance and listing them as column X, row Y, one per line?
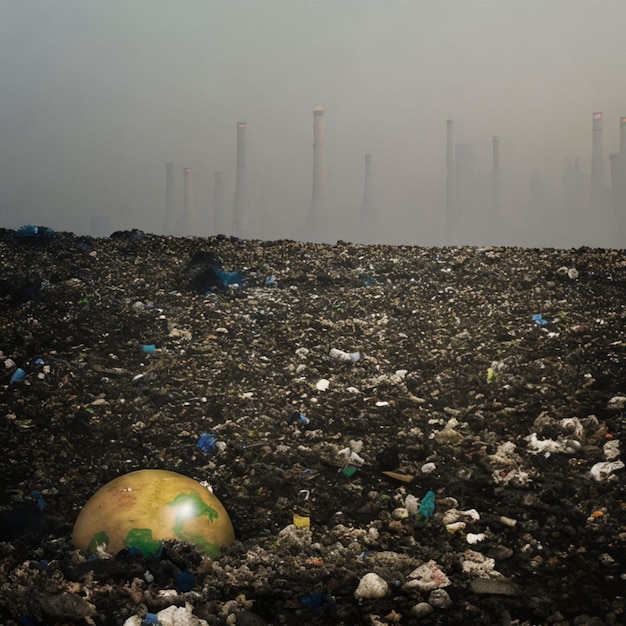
column 140, row 510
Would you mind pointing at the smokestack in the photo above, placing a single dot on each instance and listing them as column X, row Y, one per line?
column 218, row 204
column 241, row 211
column 618, row 181
column 169, row 199
column 368, row 226
column 496, row 181
column 185, row 226
column 464, row 193
column 317, row 222
column 450, row 180
column 596, row 187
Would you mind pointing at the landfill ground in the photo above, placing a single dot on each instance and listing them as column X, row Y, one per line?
column 492, row 377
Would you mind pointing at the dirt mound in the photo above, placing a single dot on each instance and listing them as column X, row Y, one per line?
column 340, row 384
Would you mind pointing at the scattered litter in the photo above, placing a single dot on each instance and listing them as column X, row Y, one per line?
column 301, row 521
column 538, row 319
column 349, row 470
column 298, row 418
column 340, row 355
column 371, row 586
column 323, row 384
column 606, row 469
column 351, row 453
column 18, row 376
column 403, row 478
column 427, row 505
column 207, row 444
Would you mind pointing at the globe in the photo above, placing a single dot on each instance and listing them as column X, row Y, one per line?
column 140, row 510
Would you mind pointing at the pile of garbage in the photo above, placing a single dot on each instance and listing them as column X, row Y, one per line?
column 400, row 435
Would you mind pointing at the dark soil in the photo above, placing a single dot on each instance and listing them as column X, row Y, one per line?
column 509, row 420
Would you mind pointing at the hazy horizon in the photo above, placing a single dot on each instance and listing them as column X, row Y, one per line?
column 99, row 96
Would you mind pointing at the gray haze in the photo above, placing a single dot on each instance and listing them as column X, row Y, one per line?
column 98, row 96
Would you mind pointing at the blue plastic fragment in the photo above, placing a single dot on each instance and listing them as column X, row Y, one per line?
column 185, row 581
column 207, row 444
column 317, row 600
column 150, row 619
column 18, row 375
column 270, row 281
column 427, row 505
column 538, row 318
column 228, row 278
column 298, row 418
column 149, row 348
column 41, row 503
column 39, row 362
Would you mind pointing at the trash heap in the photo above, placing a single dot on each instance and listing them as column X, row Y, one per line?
column 399, row 434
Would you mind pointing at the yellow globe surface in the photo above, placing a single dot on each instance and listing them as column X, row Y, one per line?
column 141, row 509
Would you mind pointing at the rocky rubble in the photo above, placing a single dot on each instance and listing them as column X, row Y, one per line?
column 341, row 384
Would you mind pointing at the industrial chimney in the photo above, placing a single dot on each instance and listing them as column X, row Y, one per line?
column 219, row 225
column 368, row 227
column 496, row 187
column 185, row 222
column 618, row 182
column 451, row 217
column 169, row 199
column 465, row 193
column 317, row 221
column 241, row 211
column 596, row 187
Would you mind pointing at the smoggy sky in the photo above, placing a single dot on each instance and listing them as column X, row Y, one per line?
column 97, row 97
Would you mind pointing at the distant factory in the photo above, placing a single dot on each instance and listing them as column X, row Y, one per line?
column 479, row 207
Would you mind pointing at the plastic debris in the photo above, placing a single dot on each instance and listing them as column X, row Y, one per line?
column 150, row 619
column 350, row 455
column 185, row 581
column 370, row 587
column 323, row 384
column 538, row 319
column 270, row 281
column 298, row 418
column 301, row 521
column 207, row 444
column 427, row 505
column 18, row 376
column 349, row 470
column 149, row 348
column 427, row 577
column 41, row 503
column 229, row 278
column 340, row 355
column 403, row 478
column 317, row 600
column 605, row 469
